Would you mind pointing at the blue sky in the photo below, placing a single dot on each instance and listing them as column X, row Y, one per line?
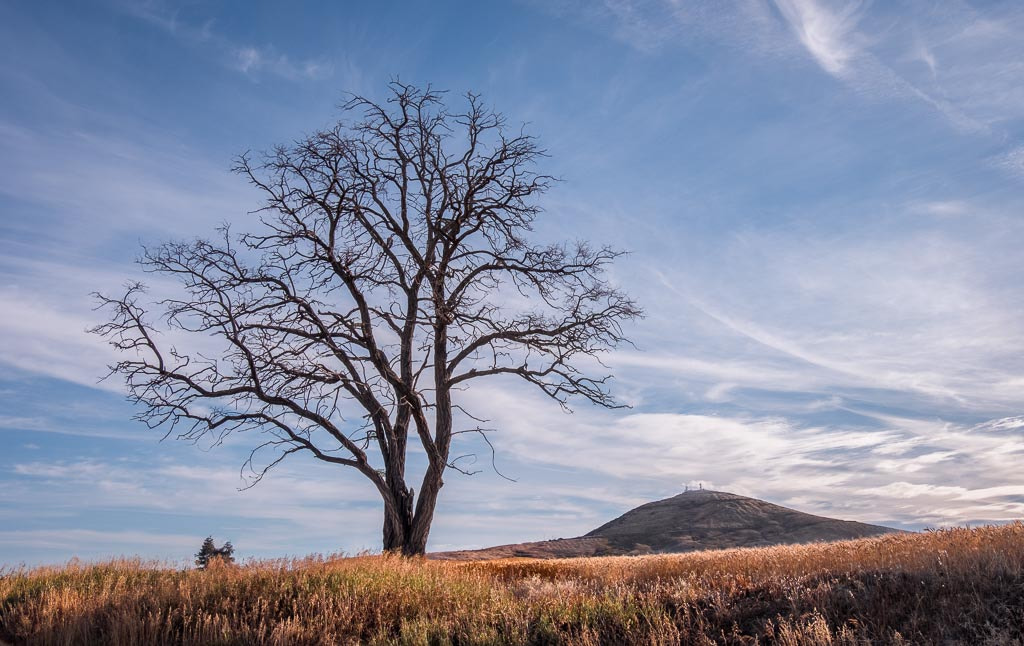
column 822, row 200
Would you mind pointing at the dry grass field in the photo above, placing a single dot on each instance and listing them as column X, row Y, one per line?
column 959, row 586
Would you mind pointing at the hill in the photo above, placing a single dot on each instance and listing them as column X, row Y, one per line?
column 691, row 521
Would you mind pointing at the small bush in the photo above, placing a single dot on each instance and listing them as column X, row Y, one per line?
column 210, row 553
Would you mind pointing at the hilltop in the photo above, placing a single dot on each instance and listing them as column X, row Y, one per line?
column 691, row 521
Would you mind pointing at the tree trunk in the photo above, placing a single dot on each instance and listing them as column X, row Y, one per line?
column 406, row 533
column 416, row 543
column 398, row 522
column 424, row 516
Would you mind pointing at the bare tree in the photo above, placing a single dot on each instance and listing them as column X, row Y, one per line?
column 390, row 270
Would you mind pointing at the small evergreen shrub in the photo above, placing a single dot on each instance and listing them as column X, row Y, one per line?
column 210, row 552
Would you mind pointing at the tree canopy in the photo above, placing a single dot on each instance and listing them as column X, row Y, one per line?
column 391, row 266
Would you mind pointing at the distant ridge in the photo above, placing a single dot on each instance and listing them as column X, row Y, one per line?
column 690, row 521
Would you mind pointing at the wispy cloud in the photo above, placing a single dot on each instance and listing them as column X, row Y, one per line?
column 919, row 306
column 653, row 25
column 134, row 180
column 253, row 60
column 1011, row 162
column 963, row 63
column 862, row 472
column 829, row 35
column 325, row 511
column 244, row 57
column 960, row 67
column 41, row 424
column 902, row 471
column 73, row 196
column 90, row 543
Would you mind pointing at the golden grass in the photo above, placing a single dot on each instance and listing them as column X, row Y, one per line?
column 959, row 586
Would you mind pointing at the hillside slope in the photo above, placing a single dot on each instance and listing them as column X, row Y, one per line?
column 691, row 521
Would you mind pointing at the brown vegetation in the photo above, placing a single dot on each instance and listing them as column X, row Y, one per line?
column 959, row 586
